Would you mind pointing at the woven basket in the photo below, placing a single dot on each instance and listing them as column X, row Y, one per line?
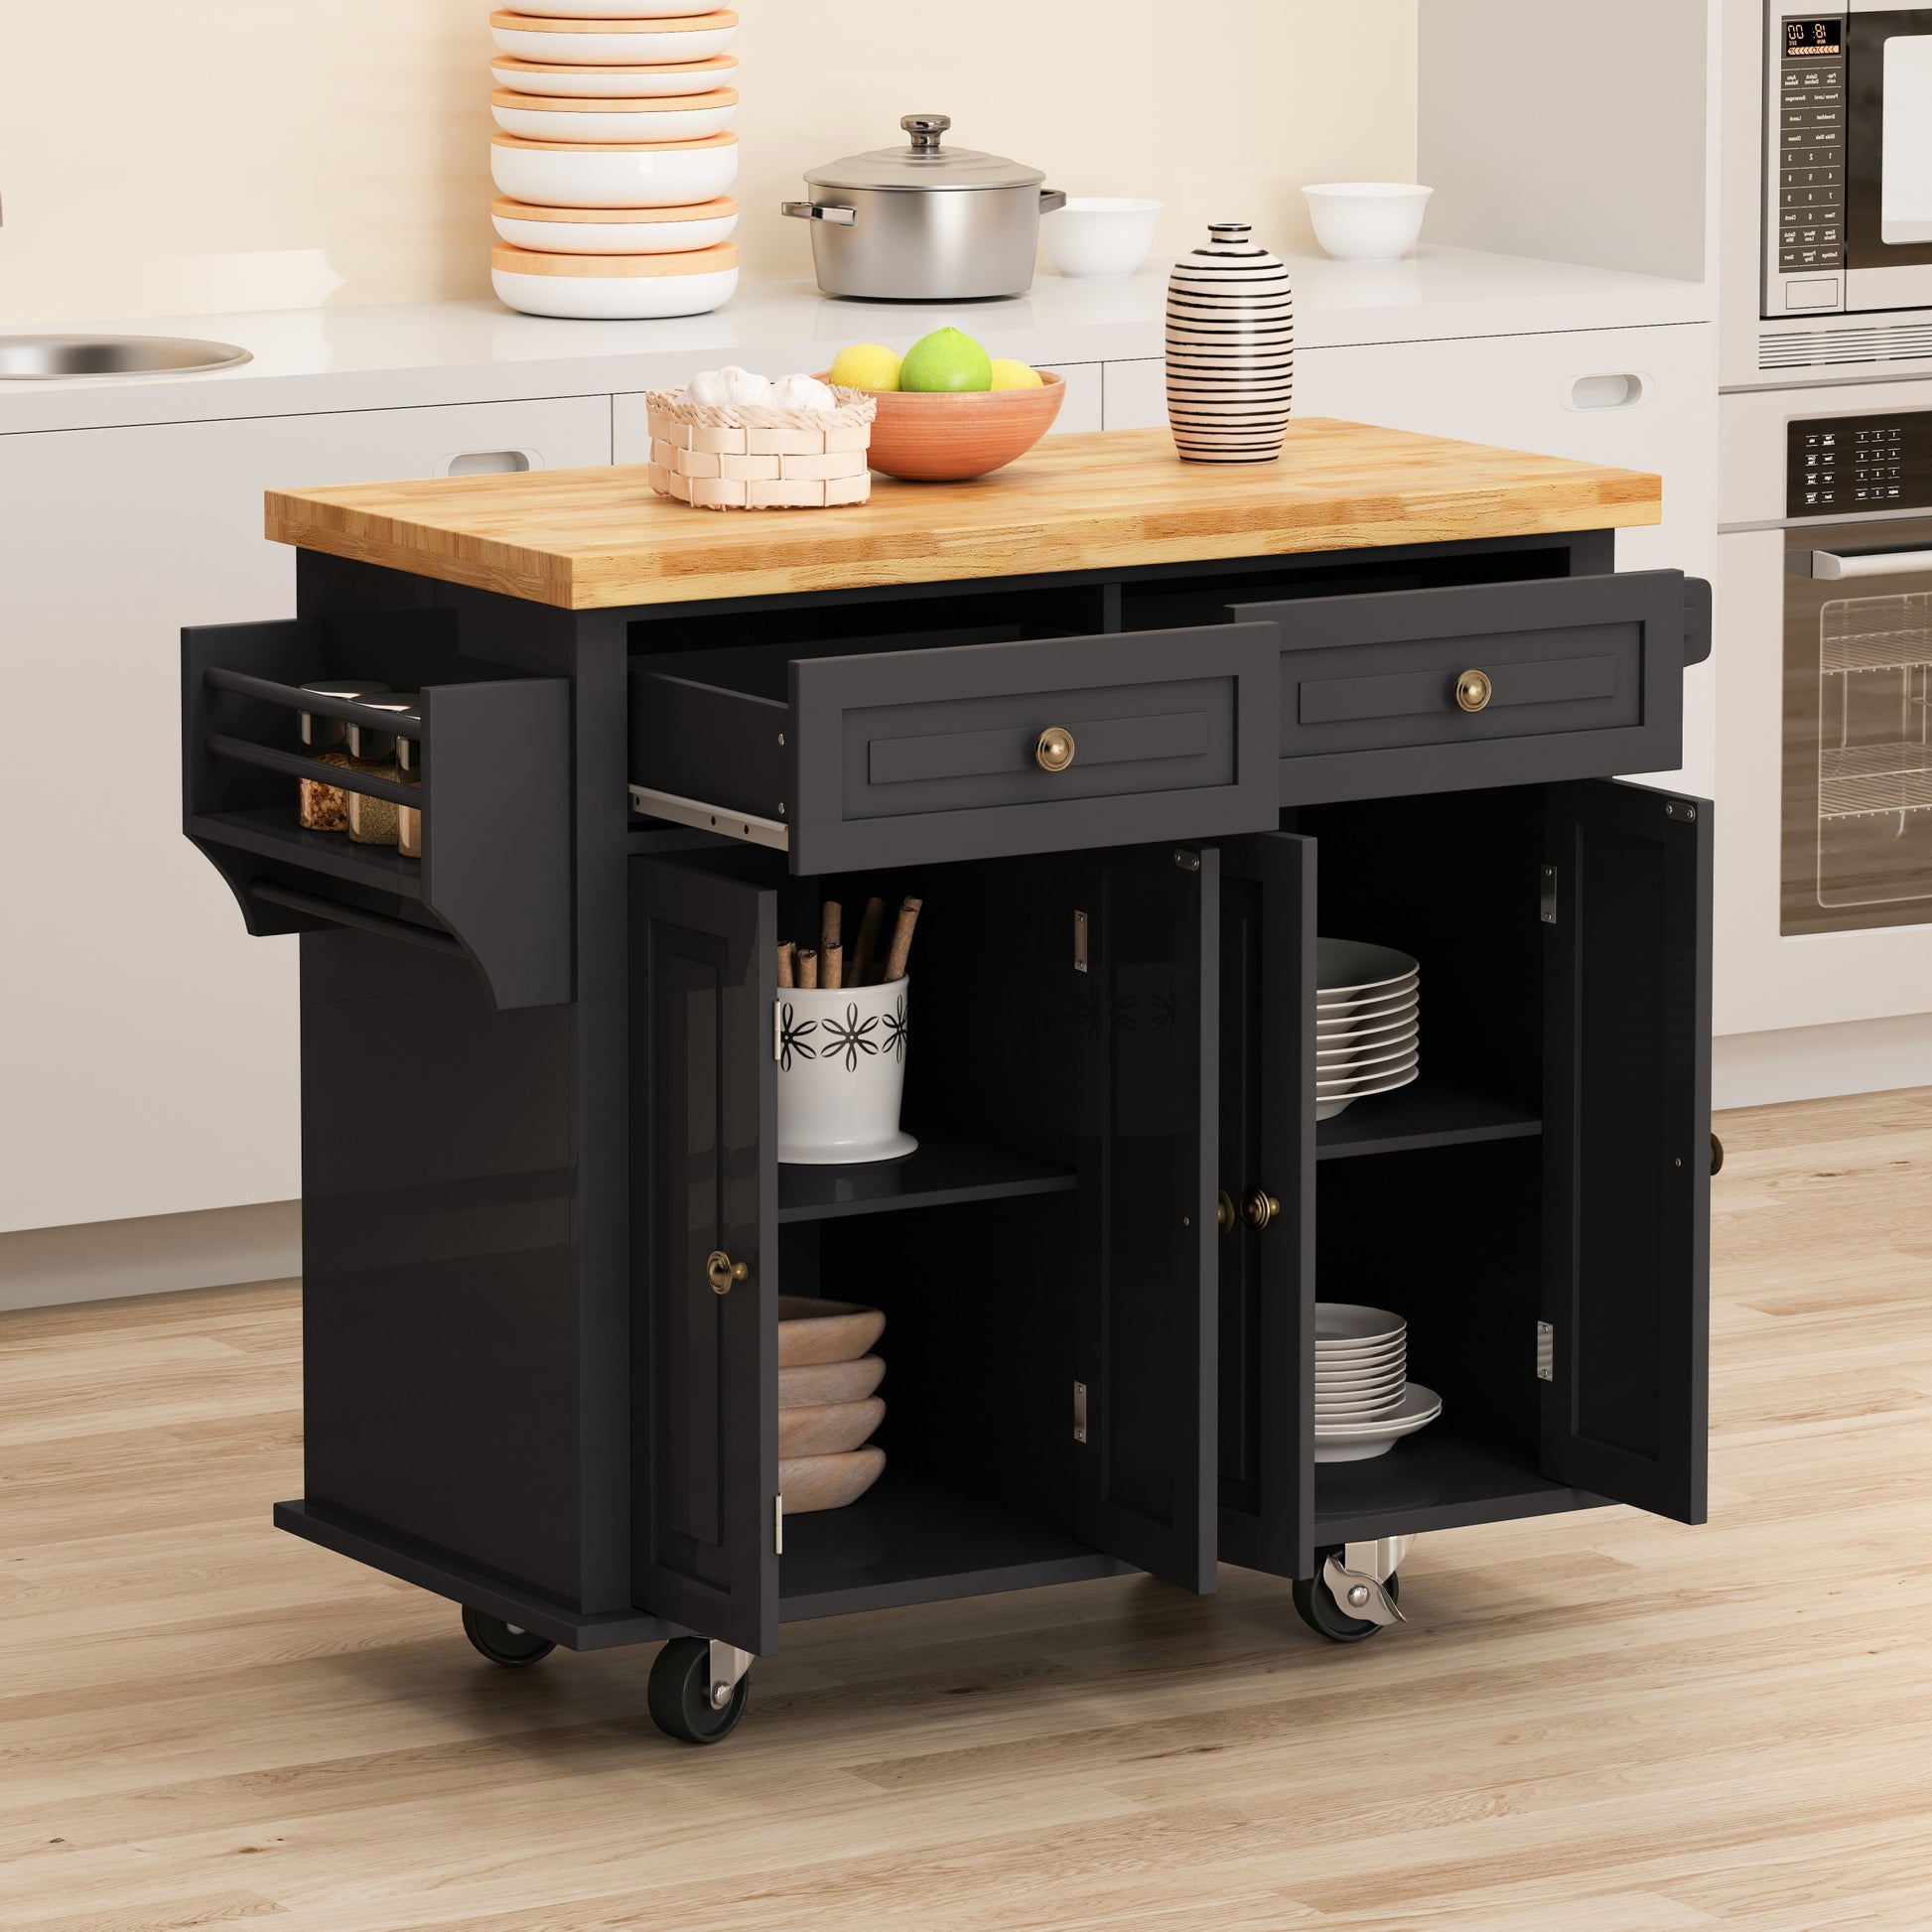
column 746, row 457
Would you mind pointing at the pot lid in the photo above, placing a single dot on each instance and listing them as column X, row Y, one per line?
column 925, row 162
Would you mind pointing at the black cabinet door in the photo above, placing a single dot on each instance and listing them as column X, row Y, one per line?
column 1266, row 1242
column 1626, row 908
column 1148, row 1025
column 704, row 1182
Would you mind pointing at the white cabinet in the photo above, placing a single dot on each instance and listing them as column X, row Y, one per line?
column 147, row 1052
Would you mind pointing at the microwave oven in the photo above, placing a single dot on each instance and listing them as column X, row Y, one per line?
column 1848, row 159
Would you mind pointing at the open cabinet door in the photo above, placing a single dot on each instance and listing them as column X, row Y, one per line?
column 1265, row 1247
column 704, row 1184
column 1148, row 1027
column 1626, row 1120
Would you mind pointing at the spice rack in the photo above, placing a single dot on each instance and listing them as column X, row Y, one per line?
column 492, row 885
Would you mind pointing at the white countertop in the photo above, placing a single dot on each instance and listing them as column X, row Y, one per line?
column 476, row 351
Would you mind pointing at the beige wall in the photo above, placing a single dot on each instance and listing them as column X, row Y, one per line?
column 268, row 155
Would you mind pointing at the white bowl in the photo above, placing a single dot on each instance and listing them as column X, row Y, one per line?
column 613, row 42
column 614, row 230
column 613, row 288
column 613, row 83
column 1100, row 234
column 569, row 174
column 543, row 117
column 1367, row 220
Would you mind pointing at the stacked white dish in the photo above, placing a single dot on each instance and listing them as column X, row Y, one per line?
column 612, row 153
column 1364, row 1402
column 1367, row 1023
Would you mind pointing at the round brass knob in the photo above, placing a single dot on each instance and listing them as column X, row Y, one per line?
column 1473, row 690
column 1055, row 749
column 1260, row 1208
column 1224, row 1212
column 721, row 1271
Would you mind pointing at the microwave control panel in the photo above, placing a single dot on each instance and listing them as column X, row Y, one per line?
column 1804, row 248
column 1851, row 466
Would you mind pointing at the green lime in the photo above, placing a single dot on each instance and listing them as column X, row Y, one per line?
column 945, row 360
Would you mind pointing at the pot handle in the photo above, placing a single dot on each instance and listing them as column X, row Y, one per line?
column 1049, row 199
column 833, row 212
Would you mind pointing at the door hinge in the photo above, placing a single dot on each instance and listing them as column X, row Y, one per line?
column 779, row 1030
column 1079, row 1412
column 1188, row 861
column 1079, row 942
column 1548, row 895
column 778, row 1524
column 1546, row 1353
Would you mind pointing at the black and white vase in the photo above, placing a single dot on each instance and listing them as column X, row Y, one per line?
column 1230, row 349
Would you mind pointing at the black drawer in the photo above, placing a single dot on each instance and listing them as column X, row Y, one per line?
column 1486, row 684
column 894, row 756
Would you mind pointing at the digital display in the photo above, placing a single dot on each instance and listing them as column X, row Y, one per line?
column 1806, row 39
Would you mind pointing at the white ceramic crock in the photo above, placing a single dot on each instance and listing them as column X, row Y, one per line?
column 568, row 173
column 614, row 230
column 613, row 83
column 613, row 288
column 841, row 1073
column 1367, row 220
column 544, row 117
column 626, row 43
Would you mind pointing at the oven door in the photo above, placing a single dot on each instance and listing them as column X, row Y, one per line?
column 1857, row 727
column 1889, row 157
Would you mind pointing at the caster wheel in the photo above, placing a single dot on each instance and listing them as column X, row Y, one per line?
column 504, row 1643
column 680, row 1694
column 1315, row 1602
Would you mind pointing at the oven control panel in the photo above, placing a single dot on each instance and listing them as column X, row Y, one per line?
column 1851, row 466
column 1804, row 164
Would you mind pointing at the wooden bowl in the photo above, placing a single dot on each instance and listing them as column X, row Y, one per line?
column 829, row 1427
column 947, row 436
column 810, row 1482
column 812, row 1330
column 817, row 1382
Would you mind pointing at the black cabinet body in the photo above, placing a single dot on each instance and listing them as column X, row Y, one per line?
column 522, row 1387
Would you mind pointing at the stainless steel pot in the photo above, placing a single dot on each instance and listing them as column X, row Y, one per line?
column 925, row 223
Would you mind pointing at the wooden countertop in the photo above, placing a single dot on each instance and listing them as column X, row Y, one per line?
column 592, row 539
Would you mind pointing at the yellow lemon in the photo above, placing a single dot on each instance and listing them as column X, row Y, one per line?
column 866, row 365
column 1009, row 375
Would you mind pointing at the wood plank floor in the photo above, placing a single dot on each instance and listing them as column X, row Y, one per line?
column 1594, row 1723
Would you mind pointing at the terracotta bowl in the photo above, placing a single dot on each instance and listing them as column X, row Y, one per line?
column 828, row 1427
column 816, row 1382
column 947, row 437
column 810, row 1482
column 813, row 1331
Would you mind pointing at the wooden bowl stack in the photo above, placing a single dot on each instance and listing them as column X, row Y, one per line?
column 612, row 154
column 827, row 1405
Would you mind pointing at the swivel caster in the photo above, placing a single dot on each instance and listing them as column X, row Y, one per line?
column 698, row 1689
column 1344, row 1603
column 504, row 1643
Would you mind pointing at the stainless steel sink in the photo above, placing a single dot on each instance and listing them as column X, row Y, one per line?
column 40, row 358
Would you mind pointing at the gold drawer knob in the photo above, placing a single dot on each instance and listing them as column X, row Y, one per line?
column 1259, row 1208
column 722, row 1271
column 1055, row 749
column 1225, row 1215
column 1473, row 690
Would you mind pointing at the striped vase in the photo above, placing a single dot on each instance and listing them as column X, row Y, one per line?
column 1230, row 349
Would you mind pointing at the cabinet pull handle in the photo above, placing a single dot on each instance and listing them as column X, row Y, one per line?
column 1259, row 1208
column 1055, row 749
column 1473, row 690
column 722, row 1271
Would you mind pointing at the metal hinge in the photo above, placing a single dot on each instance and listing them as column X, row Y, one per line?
column 1680, row 808
column 1079, row 942
column 1546, row 1353
column 1188, row 861
column 1079, row 1412
column 779, row 1030
column 1548, row 895
column 778, row 1524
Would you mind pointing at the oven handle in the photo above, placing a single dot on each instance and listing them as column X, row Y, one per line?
column 1829, row 566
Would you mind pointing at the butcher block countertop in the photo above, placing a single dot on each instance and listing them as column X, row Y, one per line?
column 595, row 539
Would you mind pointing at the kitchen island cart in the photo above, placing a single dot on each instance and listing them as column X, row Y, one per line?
column 1381, row 689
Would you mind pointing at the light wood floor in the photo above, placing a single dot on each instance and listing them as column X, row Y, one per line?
column 1598, row 1723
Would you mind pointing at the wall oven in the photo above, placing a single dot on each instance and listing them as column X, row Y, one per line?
column 1848, row 159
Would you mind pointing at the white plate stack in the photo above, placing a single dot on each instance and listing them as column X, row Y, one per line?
column 1367, row 1023
column 1364, row 1401
column 612, row 153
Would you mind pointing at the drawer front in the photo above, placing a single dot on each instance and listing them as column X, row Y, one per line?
column 937, row 754
column 1580, row 676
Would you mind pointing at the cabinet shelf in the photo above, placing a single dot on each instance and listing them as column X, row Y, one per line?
column 272, row 833
column 946, row 1171
column 1436, row 1479
column 1430, row 1112
column 911, row 1540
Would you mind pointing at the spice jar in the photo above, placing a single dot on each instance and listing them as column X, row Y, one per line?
column 409, row 772
column 372, row 750
column 325, row 808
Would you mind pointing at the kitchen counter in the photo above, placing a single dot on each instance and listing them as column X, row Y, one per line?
column 412, row 355
column 591, row 539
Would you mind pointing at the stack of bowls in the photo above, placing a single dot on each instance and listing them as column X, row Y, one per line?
column 827, row 1405
column 1367, row 1023
column 1364, row 1401
column 612, row 154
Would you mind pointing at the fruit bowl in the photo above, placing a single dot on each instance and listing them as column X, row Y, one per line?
column 947, row 436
